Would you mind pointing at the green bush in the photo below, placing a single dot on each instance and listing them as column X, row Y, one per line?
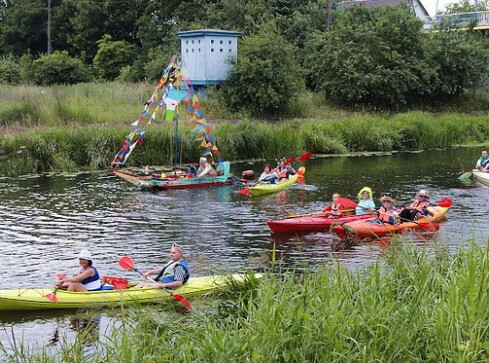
column 266, row 77
column 112, row 56
column 58, row 68
column 9, row 70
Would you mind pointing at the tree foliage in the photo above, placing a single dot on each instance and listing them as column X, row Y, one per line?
column 112, row 56
column 267, row 75
column 379, row 58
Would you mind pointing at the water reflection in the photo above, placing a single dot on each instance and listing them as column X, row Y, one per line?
column 45, row 220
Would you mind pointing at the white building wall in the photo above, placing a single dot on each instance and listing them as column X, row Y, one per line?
column 207, row 56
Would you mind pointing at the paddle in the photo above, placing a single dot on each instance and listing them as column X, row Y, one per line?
column 52, row 296
column 127, row 264
column 303, row 157
column 445, row 203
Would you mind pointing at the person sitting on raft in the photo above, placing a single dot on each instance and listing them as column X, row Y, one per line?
column 366, row 203
column 417, row 209
column 174, row 274
column 87, row 280
column 483, row 161
column 387, row 213
column 335, row 209
column 205, row 169
column 269, row 175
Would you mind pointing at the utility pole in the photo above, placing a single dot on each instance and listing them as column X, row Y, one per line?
column 329, row 20
column 50, row 45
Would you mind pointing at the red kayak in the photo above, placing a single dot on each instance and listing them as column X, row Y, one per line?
column 310, row 223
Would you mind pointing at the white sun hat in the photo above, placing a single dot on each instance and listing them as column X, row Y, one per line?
column 85, row 255
column 423, row 193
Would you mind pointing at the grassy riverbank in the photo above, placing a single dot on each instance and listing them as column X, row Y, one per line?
column 411, row 306
column 68, row 128
column 69, row 148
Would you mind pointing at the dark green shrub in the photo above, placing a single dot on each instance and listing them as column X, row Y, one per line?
column 58, row 68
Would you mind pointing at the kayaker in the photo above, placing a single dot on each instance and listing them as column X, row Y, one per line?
column 419, row 208
column 483, row 161
column 387, row 213
column 334, row 209
column 285, row 170
column 87, row 280
column 174, row 274
column 205, row 169
column 366, row 203
column 269, row 175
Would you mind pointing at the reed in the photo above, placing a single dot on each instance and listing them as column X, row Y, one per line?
column 412, row 305
column 70, row 146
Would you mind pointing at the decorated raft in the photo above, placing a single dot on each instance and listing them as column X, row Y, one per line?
column 173, row 93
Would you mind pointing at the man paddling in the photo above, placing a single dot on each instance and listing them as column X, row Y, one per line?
column 483, row 161
column 417, row 209
column 174, row 274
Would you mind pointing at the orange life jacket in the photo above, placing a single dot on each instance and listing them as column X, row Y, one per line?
column 386, row 215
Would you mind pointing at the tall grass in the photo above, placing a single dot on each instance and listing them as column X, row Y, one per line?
column 411, row 306
column 72, row 147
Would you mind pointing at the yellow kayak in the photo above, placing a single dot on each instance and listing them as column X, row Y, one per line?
column 34, row 299
column 266, row 188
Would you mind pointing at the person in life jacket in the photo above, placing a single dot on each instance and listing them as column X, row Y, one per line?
column 335, row 209
column 483, row 161
column 87, row 280
column 387, row 213
column 366, row 203
column 174, row 274
column 419, row 208
column 285, row 170
column 269, row 175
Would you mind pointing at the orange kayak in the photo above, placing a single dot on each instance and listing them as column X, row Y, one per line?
column 310, row 223
column 373, row 228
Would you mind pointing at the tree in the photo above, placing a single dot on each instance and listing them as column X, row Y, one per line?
column 466, row 6
column 112, row 56
column 371, row 58
column 266, row 77
column 460, row 60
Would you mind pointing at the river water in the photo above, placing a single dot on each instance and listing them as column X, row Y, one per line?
column 46, row 219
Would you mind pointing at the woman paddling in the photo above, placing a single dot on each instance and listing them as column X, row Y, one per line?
column 87, row 280
column 387, row 213
column 419, row 208
column 335, row 209
column 174, row 274
column 269, row 175
column 366, row 203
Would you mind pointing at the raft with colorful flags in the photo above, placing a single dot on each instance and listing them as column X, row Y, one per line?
column 173, row 94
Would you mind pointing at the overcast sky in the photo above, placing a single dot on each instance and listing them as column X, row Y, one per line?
column 430, row 5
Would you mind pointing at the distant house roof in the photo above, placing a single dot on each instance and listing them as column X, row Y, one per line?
column 373, row 3
column 215, row 32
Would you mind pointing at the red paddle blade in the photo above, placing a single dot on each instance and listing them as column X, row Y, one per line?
column 60, row 276
column 52, row 297
column 430, row 227
column 126, row 263
column 183, row 301
column 445, row 203
column 305, row 156
column 244, row 191
column 345, row 202
column 289, row 160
